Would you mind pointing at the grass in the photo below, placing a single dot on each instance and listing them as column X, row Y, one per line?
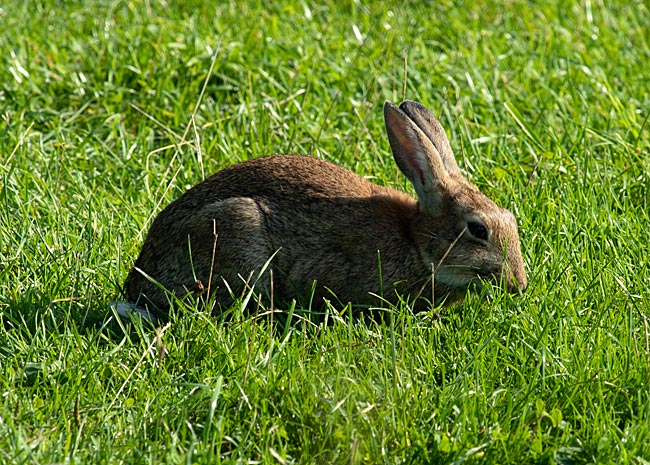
column 104, row 122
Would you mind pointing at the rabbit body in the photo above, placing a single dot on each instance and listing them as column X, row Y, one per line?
column 331, row 233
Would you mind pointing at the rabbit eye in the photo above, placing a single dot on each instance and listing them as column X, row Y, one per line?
column 478, row 230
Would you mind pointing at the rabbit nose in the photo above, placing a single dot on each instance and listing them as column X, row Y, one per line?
column 519, row 284
column 517, row 281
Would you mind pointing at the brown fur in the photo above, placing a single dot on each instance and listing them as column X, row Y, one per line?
column 326, row 224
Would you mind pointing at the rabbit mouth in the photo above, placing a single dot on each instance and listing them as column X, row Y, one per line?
column 464, row 278
column 460, row 276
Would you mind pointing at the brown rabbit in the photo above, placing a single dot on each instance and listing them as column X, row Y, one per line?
column 327, row 233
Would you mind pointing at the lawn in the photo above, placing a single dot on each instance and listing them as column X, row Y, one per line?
column 111, row 109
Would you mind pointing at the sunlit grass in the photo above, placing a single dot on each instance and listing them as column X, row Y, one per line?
column 112, row 109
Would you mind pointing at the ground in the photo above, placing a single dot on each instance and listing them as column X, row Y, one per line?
column 111, row 109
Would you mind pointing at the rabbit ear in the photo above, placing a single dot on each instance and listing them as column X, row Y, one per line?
column 428, row 123
column 417, row 156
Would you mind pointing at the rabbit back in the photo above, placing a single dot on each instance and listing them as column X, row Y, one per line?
column 321, row 223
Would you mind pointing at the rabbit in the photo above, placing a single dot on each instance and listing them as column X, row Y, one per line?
column 298, row 227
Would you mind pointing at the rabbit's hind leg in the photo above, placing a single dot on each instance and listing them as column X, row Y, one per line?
column 238, row 260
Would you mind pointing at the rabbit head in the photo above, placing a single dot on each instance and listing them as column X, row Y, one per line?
column 463, row 234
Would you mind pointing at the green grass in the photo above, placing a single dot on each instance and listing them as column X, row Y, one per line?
column 104, row 122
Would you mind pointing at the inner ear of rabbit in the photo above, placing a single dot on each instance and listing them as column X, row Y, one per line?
column 431, row 127
column 417, row 157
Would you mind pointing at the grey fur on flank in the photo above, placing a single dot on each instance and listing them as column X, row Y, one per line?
column 323, row 223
